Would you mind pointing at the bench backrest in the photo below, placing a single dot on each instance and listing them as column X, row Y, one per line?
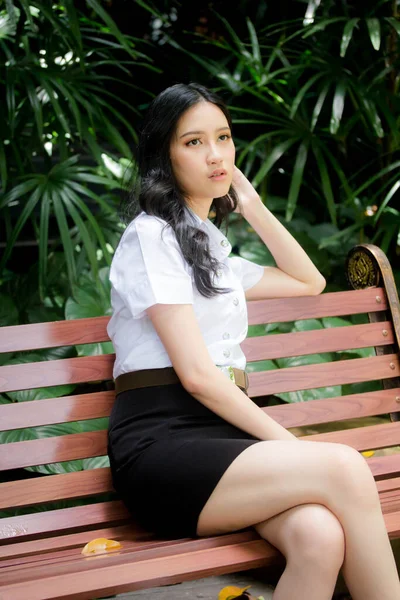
column 78, row 483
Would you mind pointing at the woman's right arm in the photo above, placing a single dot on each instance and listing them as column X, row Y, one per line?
column 177, row 327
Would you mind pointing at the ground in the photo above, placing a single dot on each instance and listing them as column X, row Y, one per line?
column 262, row 582
column 207, row 588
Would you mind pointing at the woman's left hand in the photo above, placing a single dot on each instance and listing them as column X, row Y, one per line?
column 246, row 193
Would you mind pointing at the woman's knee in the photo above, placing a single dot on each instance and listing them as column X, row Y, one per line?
column 353, row 474
column 313, row 535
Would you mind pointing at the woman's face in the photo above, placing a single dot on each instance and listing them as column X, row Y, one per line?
column 203, row 153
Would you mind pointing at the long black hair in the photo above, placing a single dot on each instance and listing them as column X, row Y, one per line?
column 155, row 189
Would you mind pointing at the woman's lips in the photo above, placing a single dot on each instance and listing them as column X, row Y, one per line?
column 218, row 177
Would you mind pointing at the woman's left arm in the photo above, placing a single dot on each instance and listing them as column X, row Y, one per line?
column 295, row 274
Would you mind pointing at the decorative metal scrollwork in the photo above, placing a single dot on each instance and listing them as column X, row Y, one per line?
column 361, row 269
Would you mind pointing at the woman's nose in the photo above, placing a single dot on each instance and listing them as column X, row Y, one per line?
column 214, row 155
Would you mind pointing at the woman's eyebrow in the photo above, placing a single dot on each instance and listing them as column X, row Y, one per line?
column 197, row 132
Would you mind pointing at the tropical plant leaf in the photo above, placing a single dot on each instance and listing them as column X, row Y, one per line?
column 347, row 35
column 43, row 241
column 257, row 252
column 59, row 212
column 386, row 200
column 297, row 179
column 302, row 92
column 274, row 155
column 374, row 30
column 321, row 25
column 326, row 183
column 394, row 23
column 311, row 10
column 103, row 14
column 319, row 105
column 338, row 106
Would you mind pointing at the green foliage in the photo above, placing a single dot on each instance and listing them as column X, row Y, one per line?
column 89, row 300
column 57, row 69
column 324, row 111
column 322, row 242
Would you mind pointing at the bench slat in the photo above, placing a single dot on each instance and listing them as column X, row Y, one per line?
column 28, row 550
column 16, row 338
column 384, row 467
column 98, row 368
column 299, row 343
column 390, row 501
column 386, row 485
column 43, row 451
column 143, row 549
column 99, row 404
column 370, row 437
column 19, row 415
column 312, row 376
column 56, row 372
column 49, row 488
column 392, row 522
column 37, row 549
column 331, row 304
column 340, row 408
column 63, row 519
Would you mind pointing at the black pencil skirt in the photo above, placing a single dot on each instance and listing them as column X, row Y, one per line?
column 167, row 453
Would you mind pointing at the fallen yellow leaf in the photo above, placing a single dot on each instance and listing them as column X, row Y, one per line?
column 368, row 453
column 230, row 592
column 100, row 545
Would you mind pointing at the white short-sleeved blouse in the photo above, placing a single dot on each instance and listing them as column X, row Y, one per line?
column 147, row 269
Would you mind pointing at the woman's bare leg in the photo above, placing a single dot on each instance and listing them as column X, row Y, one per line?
column 271, row 477
column 312, row 540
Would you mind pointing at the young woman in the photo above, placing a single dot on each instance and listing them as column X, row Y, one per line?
column 190, row 453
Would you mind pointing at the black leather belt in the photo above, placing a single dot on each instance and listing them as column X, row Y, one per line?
column 168, row 375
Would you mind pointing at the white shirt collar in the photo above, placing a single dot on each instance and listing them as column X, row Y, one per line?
column 222, row 246
column 196, row 216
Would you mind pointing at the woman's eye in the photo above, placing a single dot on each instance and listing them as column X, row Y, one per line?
column 226, row 136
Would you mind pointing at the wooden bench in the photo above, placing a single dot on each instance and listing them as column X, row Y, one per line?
column 40, row 553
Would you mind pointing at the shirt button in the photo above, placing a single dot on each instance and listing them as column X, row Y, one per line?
column 219, row 273
column 224, row 243
column 226, row 336
column 235, row 301
column 226, row 353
